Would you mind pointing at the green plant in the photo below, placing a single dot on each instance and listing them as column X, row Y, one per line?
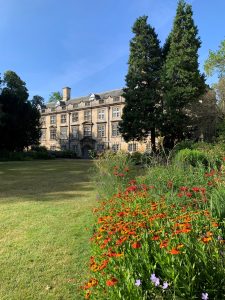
column 191, row 157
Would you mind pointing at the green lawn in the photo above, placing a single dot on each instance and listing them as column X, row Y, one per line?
column 45, row 207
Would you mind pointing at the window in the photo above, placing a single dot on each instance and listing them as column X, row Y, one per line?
column 101, row 101
column 115, row 129
column 101, row 114
column 116, row 99
column 100, row 147
column 52, row 148
column 43, row 110
column 87, row 130
column 53, row 134
column 63, row 133
column 87, row 115
column 115, row 147
column 116, row 112
column 53, row 119
column 101, row 130
column 75, row 132
column 64, row 107
column 75, row 105
column 53, row 109
column 133, row 147
column 75, row 116
column 87, row 103
column 43, row 134
column 63, row 118
column 42, row 121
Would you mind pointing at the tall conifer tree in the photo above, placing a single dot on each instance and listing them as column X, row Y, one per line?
column 182, row 81
column 142, row 84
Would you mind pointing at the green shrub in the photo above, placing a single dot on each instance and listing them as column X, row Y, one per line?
column 189, row 157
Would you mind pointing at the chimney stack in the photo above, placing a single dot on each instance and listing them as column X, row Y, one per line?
column 66, row 93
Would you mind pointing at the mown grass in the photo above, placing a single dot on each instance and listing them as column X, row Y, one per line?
column 45, row 207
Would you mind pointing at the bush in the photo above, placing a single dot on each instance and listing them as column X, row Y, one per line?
column 194, row 158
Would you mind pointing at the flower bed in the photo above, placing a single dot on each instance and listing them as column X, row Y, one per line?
column 160, row 240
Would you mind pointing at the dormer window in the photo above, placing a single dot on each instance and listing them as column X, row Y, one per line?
column 92, row 97
column 63, row 107
column 101, row 101
column 87, row 103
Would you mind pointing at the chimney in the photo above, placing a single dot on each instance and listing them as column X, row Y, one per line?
column 66, row 93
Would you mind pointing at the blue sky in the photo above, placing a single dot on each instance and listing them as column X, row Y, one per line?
column 85, row 44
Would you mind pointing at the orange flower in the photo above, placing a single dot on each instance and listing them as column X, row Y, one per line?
column 206, row 239
column 163, row 244
column 92, row 282
column 136, row 245
column 155, row 238
column 87, row 295
column 174, row 251
column 111, row 282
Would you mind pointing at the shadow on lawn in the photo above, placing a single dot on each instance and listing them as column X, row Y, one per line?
column 45, row 181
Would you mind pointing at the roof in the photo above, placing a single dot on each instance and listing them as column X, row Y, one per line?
column 104, row 95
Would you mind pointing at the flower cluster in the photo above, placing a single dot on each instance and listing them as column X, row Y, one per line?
column 140, row 231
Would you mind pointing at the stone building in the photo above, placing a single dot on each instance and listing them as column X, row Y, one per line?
column 86, row 123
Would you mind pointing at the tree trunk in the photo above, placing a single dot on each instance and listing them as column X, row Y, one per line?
column 153, row 139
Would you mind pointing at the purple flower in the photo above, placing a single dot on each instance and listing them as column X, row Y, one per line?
column 205, row 296
column 154, row 279
column 165, row 285
column 138, row 282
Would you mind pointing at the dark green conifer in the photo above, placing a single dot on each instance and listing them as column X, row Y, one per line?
column 142, row 96
column 181, row 78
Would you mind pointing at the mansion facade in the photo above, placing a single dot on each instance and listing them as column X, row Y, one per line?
column 86, row 123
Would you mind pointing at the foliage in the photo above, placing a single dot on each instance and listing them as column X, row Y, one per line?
column 182, row 82
column 55, row 96
column 14, row 85
column 216, row 61
column 140, row 114
column 109, row 178
column 160, row 237
column 191, row 157
column 38, row 101
column 19, row 119
column 37, row 152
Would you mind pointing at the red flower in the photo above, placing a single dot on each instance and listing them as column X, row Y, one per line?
column 183, row 188
column 136, row 245
column 111, row 282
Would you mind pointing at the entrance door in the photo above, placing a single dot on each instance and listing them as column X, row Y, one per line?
column 86, row 152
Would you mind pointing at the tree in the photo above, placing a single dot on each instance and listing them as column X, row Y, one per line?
column 205, row 117
column 182, row 82
column 19, row 119
column 216, row 61
column 141, row 94
column 38, row 101
column 55, row 96
column 13, row 83
column 216, row 64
